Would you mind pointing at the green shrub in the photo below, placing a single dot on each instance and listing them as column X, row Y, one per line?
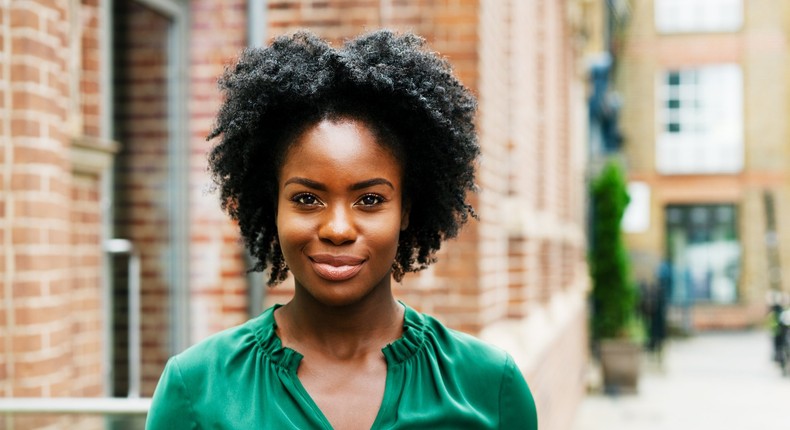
column 613, row 292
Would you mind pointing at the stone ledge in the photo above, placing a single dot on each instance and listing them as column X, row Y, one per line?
column 92, row 155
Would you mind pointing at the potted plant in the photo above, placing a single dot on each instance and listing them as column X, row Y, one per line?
column 615, row 329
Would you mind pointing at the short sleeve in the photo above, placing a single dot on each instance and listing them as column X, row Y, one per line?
column 516, row 405
column 170, row 406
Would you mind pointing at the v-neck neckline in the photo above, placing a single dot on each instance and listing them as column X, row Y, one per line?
column 395, row 353
column 387, row 400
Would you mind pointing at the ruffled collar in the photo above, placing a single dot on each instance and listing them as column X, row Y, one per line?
column 395, row 353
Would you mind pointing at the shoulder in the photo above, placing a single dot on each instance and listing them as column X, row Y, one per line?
column 462, row 346
column 220, row 358
column 484, row 370
column 220, row 347
column 194, row 381
column 218, row 352
column 460, row 357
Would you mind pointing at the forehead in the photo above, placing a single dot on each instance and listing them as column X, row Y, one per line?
column 341, row 145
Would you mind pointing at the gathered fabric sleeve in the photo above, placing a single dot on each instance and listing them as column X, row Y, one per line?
column 170, row 406
column 516, row 404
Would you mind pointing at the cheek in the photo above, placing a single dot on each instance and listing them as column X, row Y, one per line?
column 385, row 233
column 290, row 228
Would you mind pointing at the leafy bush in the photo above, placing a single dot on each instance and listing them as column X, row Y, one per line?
column 614, row 294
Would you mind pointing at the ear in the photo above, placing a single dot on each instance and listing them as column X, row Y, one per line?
column 404, row 216
column 276, row 202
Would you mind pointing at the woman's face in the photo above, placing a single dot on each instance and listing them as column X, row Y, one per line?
column 340, row 211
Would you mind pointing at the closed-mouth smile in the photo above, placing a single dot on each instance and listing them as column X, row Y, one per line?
column 336, row 267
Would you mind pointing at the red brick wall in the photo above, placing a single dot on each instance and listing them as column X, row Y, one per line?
column 90, row 60
column 36, row 298
column 524, row 162
column 50, row 251
column 492, row 84
column 558, row 381
column 6, row 282
column 450, row 290
column 87, row 323
column 546, row 178
column 546, row 320
column 217, row 272
column 85, row 333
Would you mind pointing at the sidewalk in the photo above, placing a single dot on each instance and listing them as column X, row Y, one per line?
column 721, row 381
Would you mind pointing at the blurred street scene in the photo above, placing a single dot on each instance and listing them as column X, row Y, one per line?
column 718, row 380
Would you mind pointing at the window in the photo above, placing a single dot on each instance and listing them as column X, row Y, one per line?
column 700, row 124
column 636, row 218
column 679, row 16
column 704, row 253
column 150, row 190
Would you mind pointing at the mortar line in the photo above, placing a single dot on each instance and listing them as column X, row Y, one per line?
column 8, row 198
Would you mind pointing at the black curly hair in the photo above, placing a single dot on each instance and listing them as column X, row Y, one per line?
column 405, row 93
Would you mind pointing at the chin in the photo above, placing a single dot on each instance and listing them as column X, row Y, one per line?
column 340, row 294
column 338, row 300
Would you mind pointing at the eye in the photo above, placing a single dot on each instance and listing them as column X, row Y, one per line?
column 370, row 200
column 305, row 199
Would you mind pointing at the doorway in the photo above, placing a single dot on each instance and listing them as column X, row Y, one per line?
column 704, row 253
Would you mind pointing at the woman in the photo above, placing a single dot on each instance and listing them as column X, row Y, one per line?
column 347, row 168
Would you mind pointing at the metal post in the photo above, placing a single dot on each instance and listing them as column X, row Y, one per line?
column 257, row 28
column 134, row 325
column 257, row 25
column 123, row 246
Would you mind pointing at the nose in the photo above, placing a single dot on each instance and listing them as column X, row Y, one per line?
column 337, row 226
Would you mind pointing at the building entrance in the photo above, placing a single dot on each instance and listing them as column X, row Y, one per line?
column 704, row 253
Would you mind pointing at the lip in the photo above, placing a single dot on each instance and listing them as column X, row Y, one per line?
column 336, row 267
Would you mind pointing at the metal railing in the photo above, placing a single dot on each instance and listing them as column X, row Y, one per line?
column 75, row 405
column 133, row 404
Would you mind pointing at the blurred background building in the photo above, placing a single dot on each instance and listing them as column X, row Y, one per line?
column 705, row 139
column 106, row 204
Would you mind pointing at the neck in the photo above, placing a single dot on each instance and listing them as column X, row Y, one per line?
column 341, row 331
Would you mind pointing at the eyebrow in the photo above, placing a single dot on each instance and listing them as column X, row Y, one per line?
column 306, row 182
column 371, row 182
column 354, row 187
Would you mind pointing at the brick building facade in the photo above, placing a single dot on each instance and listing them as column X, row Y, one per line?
column 104, row 109
column 705, row 136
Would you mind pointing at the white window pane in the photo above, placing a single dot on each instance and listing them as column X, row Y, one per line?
column 703, row 131
column 698, row 15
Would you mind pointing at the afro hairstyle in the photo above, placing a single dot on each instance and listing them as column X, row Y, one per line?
column 405, row 93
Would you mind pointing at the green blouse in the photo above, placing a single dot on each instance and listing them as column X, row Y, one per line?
column 437, row 378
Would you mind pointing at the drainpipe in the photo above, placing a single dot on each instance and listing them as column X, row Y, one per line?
column 257, row 23
column 257, row 26
column 107, row 181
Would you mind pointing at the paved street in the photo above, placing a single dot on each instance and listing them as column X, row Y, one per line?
column 721, row 381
